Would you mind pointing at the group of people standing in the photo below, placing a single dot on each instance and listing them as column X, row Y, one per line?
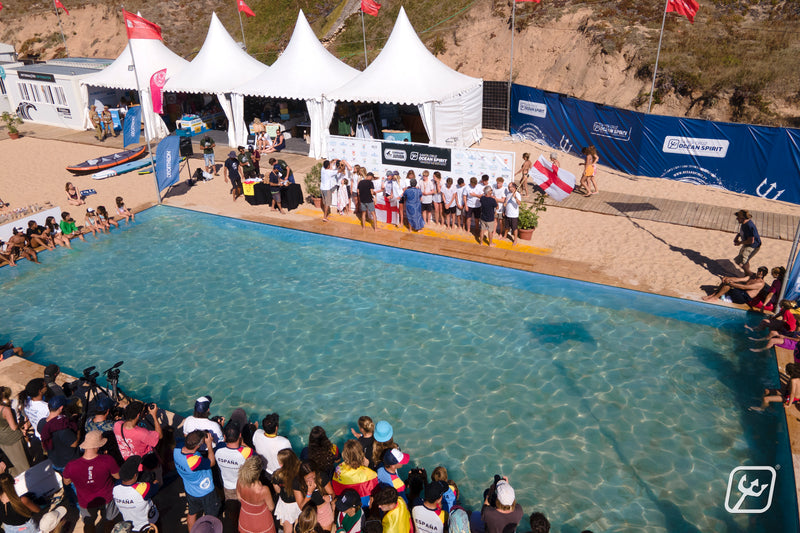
column 102, row 122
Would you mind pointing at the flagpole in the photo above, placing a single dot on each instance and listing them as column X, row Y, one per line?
column 241, row 25
column 144, row 118
column 658, row 53
column 61, row 28
column 511, row 65
column 364, row 34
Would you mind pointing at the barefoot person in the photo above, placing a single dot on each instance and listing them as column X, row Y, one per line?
column 747, row 237
column 230, row 172
column 487, row 222
column 524, row 169
column 740, row 290
column 589, row 170
column 366, row 199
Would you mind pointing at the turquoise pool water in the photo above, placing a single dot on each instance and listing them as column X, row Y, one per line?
column 608, row 409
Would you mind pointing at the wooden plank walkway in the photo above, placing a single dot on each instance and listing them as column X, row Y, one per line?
column 770, row 225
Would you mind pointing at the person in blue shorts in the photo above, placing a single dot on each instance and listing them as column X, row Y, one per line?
column 195, row 471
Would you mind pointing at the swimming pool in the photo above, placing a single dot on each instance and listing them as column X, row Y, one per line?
column 608, row 409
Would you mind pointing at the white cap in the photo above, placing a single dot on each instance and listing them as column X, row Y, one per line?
column 505, row 493
column 50, row 521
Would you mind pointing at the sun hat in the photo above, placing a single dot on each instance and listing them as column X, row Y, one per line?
column 207, row 524
column 130, row 468
column 231, row 154
column 348, row 499
column 202, row 404
column 94, row 440
column 50, row 521
column 57, row 401
column 395, row 457
column 383, row 431
column 505, row 493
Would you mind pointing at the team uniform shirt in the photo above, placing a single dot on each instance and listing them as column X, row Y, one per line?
column 268, row 448
column 499, row 194
column 393, row 480
column 136, row 504
column 447, row 195
column 203, row 424
column 428, row 520
column 349, row 524
column 230, row 460
column 138, row 441
column 195, row 471
column 512, row 204
column 93, row 479
column 473, row 201
column 398, row 520
column 427, row 188
column 461, row 196
column 327, row 179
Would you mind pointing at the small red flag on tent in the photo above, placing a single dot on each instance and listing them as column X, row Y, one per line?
column 59, row 4
column 370, row 7
column 140, row 28
column 244, row 8
column 687, row 8
column 1, row 6
column 537, row 1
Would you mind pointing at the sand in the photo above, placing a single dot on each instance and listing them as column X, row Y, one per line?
column 625, row 252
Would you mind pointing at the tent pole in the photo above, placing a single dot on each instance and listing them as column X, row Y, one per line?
column 61, row 28
column 241, row 24
column 144, row 119
column 511, row 66
column 789, row 264
column 364, row 35
column 658, row 53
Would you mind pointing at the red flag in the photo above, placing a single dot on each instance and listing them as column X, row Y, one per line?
column 244, row 8
column 537, row 1
column 140, row 28
column 157, row 82
column 687, row 8
column 1, row 6
column 59, row 4
column 370, row 7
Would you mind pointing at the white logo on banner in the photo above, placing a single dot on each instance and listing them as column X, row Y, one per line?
column 394, row 155
column 611, row 131
column 751, row 500
column 697, row 147
column 534, row 109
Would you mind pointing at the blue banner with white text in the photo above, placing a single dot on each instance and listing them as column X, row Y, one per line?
column 757, row 160
column 168, row 161
column 133, row 126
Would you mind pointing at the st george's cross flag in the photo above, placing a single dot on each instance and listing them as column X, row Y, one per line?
column 370, row 7
column 59, row 4
column 556, row 182
column 244, row 8
column 687, row 8
column 140, row 28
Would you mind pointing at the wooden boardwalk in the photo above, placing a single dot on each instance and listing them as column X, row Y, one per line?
column 770, row 225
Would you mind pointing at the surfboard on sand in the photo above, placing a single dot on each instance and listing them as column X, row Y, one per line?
column 107, row 161
column 121, row 169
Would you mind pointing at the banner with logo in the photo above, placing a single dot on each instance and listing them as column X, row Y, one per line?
column 378, row 156
column 132, row 131
column 168, row 160
column 756, row 160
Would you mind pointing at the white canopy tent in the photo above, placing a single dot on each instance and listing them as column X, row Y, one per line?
column 405, row 72
column 220, row 65
column 305, row 71
column 151, row 56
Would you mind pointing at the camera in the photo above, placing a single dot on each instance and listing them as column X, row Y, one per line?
column 490, row 494
column 150, row 405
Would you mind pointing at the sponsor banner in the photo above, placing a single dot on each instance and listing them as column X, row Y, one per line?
column 755, row 160
column 168, row 160
column 417, row 156
column 36, row 76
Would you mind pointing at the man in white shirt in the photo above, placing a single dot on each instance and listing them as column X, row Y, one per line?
column 133, row 498
column 268, row 443
column 461, row 207
column 230, row 457
column 472, row 200
column 511, row 205
column 327, row 184
column 499, row 191
column 428, row 189
column 200, row 421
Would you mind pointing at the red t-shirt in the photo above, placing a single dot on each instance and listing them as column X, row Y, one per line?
column 790, row 320
column 92, row 479
column 137, row 441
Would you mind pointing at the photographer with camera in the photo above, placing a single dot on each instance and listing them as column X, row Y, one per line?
column 201, row 421
column 132, row 439
column 500, row 511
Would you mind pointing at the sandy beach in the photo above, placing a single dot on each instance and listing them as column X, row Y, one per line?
column 613, row 249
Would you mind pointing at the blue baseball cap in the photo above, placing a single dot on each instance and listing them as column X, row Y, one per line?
column 202, row 404
column 56, row 402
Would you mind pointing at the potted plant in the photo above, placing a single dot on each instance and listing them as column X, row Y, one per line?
column 529, row 216
column 11, row 121
column 312, row 180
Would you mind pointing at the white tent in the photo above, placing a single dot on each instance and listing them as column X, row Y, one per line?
column 305, row 71
column 218, row 67
column 151, row 56
column 405, row 72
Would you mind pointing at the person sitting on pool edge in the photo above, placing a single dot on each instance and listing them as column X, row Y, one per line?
column 740, row 290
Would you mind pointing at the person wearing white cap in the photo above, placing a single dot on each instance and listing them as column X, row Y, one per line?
column 53, row 521
column 200, row 421
column 91, row 222
column 500, row 508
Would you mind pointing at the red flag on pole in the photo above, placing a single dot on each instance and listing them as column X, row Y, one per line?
column 537, row 1
column 370, row 7
column 687, row 8
column 140, row 28
column 59, row 4
column 1, row 6
column 244, row 8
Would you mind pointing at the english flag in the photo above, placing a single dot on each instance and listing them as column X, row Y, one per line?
column 244, row 8
column 370, row 7
column 140, row 28
column 59, row 4
column 557, row 183
column 687, row 8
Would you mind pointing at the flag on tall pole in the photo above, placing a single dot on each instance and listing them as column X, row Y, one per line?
column 244, row 8
column 140, row 28
column 59, row 4
column 687, row 8
column 1, row 6
column 157, row 82
column 370, row 7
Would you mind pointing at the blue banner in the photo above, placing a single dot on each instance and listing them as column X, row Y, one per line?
column 756, row 160
column 133, row 126
column 168, row 161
